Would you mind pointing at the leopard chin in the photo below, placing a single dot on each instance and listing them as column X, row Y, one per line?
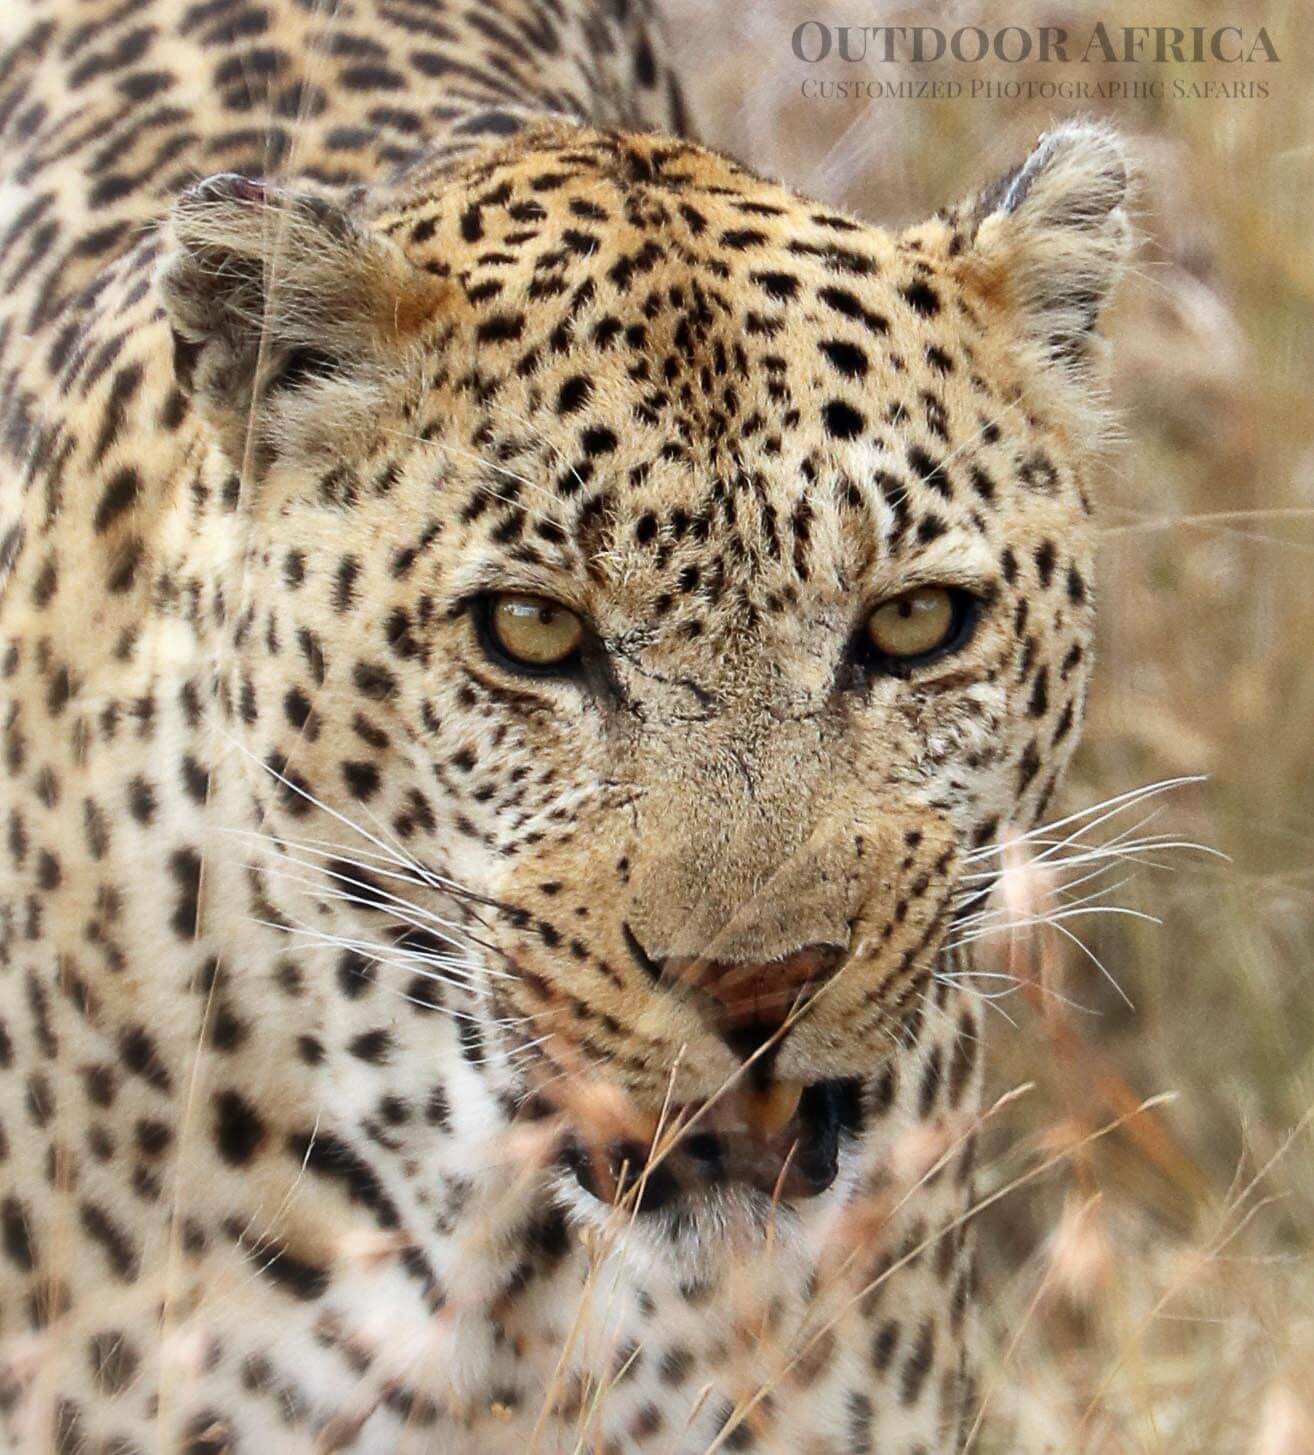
column 700, row 1231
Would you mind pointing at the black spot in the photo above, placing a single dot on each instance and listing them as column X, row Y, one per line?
column 344, row 585
column 847, row 304
column 930, row 1088
column 358, row 883
column 982, row 483
column 17, row 1235
column 884, row 1345
column 930, row 471
column 153, row 1137
column 425, row 994
column 227, row 1031
column 1028, row 767
column 239, row 1131
column 48, row 870
column 1045, row 558
column 964, row 1058
column 842, row 421
column 921, row 298
column 328, row 1156
column 1039, row 473
column 353, row 974
column 574, row 394
column 120, row 495
column 362, row 779
column 1065, row 721
column 697, row 223
column 293, row 789
column 918, row 1365
column 781, row 286
column 598, row 441
column 140, row 1055
column 296, row 707
column 501, row 326
column 99, row 1083
column 645, row 64
column 185, row 867
column 437, row 1111
column 196, row 779
column 373, row 681
column 304, row 366
column 742, row 237
column 272, row 1260
column 114, row 1242
column 373, row 1047
column 847, row 358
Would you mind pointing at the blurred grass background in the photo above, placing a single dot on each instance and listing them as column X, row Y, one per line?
column 1154, row 1292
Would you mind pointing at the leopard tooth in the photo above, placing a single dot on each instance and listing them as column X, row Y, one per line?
column 770, row 1110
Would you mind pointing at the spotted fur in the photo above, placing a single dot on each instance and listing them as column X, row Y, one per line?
column 337, row 960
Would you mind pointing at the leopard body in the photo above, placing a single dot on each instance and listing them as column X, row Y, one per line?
column 326, row 940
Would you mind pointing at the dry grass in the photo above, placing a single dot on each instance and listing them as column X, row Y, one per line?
column 1157, row 1294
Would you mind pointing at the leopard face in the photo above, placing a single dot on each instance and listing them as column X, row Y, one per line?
column 683, row 579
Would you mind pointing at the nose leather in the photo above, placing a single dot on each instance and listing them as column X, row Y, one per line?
column 747, row 1002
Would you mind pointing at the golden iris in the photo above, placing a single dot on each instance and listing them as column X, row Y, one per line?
column 534, row 631
column 914, row 624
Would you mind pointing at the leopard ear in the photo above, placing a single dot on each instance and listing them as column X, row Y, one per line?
column 1051, row 239
column 279, row 300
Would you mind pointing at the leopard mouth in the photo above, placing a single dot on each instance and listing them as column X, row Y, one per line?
column 780, row 1139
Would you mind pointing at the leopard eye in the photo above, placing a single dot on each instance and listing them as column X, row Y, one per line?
column 533, row 631
column 918, row 623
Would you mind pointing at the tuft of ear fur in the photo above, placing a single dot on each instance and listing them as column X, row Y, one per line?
column 275, row 293
column 1051, row 238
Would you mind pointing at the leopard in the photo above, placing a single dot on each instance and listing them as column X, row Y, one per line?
column 521, row 640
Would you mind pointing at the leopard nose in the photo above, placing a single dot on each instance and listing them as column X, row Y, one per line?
column 748, row 1003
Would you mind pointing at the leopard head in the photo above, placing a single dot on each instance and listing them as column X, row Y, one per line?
column 679, row 579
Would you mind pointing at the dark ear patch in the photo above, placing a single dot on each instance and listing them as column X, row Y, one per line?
column 1051, row 239
column 270, row 291
column 185, row 354
column 304, row 366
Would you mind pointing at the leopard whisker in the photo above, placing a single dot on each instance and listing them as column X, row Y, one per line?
column 372, row 902
column 319, row 939
column 348, row 823
column 998, row 917
column 482, row 460
column 1104, row 810
column 1012, row 985
column 543, row 439
column 1121, row 845
column 398, row 956
column 289, row 850
column 307, row 796
column 370, row 887
column 429, row 878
